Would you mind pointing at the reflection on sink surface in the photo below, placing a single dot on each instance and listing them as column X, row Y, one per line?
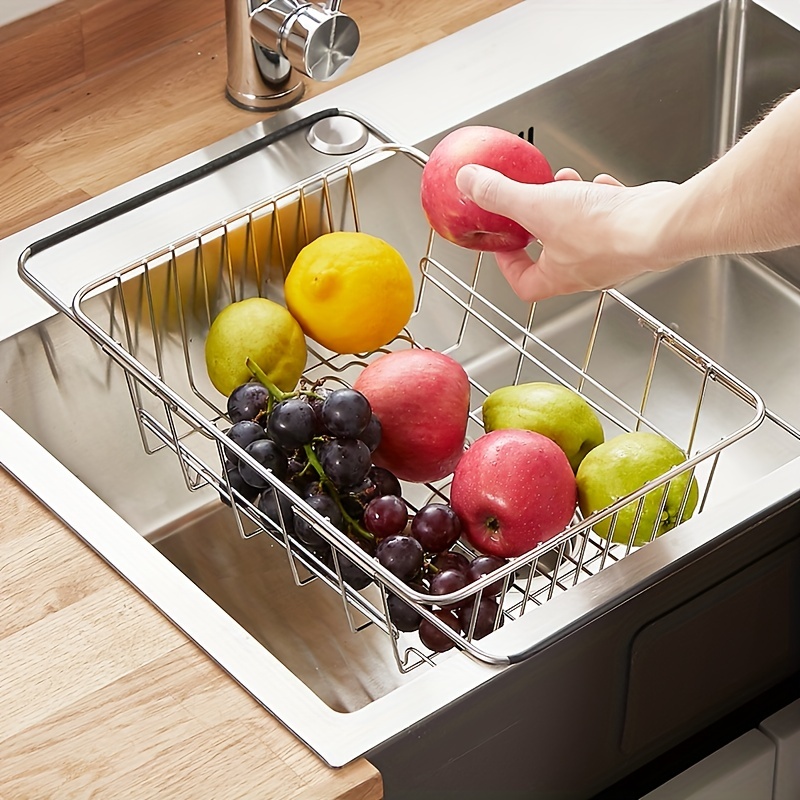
column 648, row 111
column 303, row 626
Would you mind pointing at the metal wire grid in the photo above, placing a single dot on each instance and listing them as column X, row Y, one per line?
column 150, row 315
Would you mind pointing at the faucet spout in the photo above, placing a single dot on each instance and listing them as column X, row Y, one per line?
column 272, row 43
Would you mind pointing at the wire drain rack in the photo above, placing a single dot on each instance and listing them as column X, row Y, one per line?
column 150, row 316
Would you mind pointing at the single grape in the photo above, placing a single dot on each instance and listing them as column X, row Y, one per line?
column 292, row 423
column 483, row 565
column 244, row 433
column 355, row 498
column 346, row 462
column 436, row 527
column 350, row 507
column 385, row 481
column 386, row 516
column 269, row 503
column 299, row 474
column 449, row 580
column 401, row 555
column 248, row 402
column 270, row 456
column 316, row 401
column 345, row 413
column 484, row 623
column 325, row 506
column 450, row 559
column 371, row 435
column 312, row 488
column 351, row 573
column 405, row 617
column 238, row 484
column 433, row 638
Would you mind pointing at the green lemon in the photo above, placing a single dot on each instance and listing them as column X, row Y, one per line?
column 551, row 409
column 261, row 330
column 624, row 464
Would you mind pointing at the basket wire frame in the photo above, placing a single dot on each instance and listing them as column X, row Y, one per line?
column 154, row 309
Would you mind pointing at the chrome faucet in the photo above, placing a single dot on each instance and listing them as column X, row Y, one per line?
column 270, row 42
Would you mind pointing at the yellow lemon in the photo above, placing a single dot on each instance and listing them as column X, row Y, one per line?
column 351, row 292
column 261, row 330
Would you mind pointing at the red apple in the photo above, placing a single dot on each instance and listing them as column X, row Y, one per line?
column 513, row 489
column 451, row 214
column 422, row 400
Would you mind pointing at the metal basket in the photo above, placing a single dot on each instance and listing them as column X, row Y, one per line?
column 151, row 317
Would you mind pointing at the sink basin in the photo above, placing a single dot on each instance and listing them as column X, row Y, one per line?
column 669, row 91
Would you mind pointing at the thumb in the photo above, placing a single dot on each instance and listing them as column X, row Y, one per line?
column 493, row 191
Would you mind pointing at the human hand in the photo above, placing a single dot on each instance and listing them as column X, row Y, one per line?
column 594, row 235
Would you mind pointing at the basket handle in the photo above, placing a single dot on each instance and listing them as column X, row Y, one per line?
column 137, row 201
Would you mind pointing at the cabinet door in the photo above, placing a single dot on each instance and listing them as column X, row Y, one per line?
column 783, row 728
column 742, row 770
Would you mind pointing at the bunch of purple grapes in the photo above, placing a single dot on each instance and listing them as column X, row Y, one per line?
column 421, row 554
column 320, row 443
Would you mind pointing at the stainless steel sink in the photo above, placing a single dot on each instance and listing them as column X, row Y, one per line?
column 662, row 96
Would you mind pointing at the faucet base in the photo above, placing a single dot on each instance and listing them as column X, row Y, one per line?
column 267, row 102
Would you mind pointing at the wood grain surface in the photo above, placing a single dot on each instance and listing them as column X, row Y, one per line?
column 104, row 129
column 101, row 695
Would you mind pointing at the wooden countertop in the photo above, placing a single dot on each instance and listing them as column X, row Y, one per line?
column 101, row 695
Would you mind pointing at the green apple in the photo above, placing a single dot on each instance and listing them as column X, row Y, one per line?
column 261, row 330
column 551, row 409
column 623, row 465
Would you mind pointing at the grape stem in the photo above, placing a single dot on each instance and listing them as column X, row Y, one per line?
column 277, row 394
column 261, row 377
column 326, row 482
